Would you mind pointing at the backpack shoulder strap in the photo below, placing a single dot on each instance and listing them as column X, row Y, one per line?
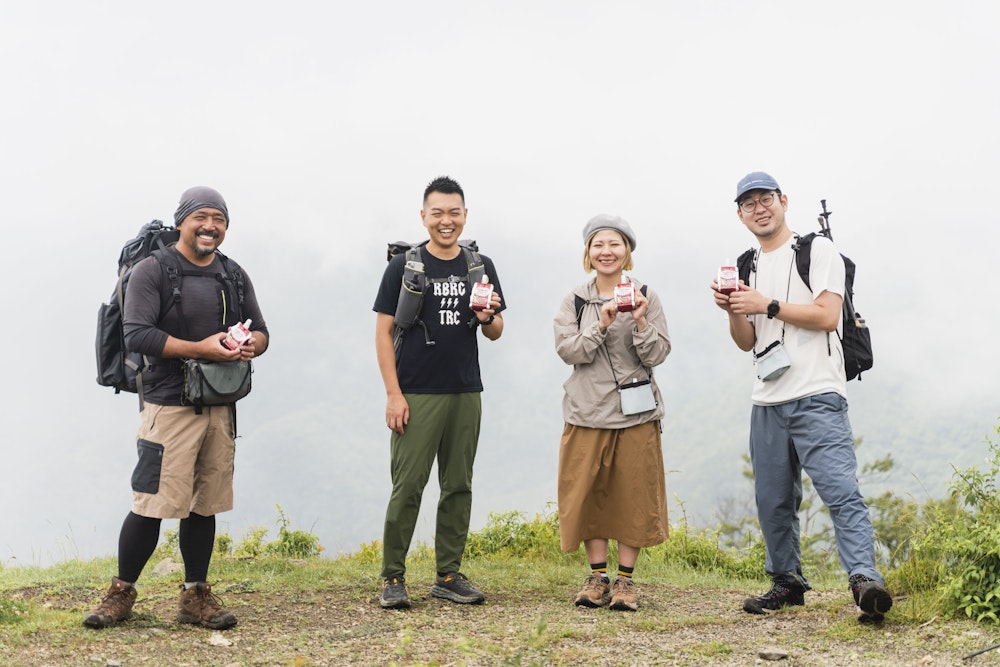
column 744, row 265
column 477, row 272
column 477, row 268
column 414, row 281
column 233, row 272
column 412, row 288
column 171, row 268
column 803, row 256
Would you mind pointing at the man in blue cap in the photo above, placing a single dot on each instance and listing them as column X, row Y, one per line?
column 799, row 416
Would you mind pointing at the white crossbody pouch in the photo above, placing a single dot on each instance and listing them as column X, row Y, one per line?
column 636, row 396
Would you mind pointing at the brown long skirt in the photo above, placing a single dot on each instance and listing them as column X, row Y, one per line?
column 612, row 486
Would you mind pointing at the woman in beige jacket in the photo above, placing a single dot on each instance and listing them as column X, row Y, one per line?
column 611, row 476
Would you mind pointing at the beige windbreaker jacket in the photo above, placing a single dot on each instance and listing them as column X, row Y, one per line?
column 591, row 397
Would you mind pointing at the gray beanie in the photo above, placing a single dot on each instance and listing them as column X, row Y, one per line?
column 199, row 197
column 605, row 221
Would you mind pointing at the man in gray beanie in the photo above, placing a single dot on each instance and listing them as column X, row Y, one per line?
column 200, row 197
column 186, row 453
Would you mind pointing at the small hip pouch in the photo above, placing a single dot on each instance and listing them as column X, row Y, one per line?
column 772, row 362
column 636, row 396
column 216, row 383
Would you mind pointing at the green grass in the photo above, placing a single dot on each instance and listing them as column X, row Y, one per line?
column 691, row 593
column 51, row 601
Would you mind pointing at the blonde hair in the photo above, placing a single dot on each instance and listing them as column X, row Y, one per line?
column 626, row 264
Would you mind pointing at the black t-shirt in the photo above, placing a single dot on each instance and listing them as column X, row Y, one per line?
column 451, row 365
column 209, row 306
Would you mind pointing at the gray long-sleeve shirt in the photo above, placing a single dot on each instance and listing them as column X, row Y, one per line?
column 591, row 397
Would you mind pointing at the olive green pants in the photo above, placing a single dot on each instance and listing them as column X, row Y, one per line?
column 443, row 427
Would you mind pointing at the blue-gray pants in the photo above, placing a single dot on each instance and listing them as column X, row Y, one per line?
column 813, row 434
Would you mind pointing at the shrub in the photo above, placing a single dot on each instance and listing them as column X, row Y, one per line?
column 293, row 543
column 170, row 547
column 703, row 552
column 223, row 544
column 290, row 543
column 957, row 553
column 252, row 544
column 509, row 534
column 12, row 612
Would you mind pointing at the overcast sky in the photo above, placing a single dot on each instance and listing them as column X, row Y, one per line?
column 321, row 123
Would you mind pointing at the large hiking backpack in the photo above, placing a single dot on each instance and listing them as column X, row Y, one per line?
column 856, row 341
column 414, row 286
column 116, row 366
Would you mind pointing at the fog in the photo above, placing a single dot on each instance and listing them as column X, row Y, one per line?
column 321, row 124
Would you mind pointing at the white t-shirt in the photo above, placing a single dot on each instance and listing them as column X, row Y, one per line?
column 817, row 357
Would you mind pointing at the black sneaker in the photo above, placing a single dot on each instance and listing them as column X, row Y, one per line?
column 783, row 593
column 872, row 598
column 394, row 594
column 455, row 587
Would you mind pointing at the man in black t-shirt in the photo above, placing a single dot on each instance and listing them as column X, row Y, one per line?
column 185, row 466
column 433, row 389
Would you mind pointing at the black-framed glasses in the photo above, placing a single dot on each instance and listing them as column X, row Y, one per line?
column 765, row 200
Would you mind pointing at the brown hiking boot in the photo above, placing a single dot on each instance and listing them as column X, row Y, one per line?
column 200, row 606
column 596, row 592
column 623, row 595
column 116, row 605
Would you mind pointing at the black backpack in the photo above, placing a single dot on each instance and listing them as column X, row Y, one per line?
column 414, row 286
column 116, row 366
column 856, row 342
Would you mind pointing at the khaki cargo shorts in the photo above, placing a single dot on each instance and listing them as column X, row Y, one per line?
column 185, row 462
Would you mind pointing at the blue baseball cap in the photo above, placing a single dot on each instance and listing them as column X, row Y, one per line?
column 755, row 180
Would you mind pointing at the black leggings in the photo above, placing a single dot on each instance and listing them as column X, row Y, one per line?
column 139, row 536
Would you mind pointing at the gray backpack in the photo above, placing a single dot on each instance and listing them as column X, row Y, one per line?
column 414, row 286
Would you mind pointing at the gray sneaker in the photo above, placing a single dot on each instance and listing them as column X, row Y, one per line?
column 394, row 595
column 455, row 586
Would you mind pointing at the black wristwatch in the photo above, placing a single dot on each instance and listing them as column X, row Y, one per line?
column 772, row 309
column 488, row 322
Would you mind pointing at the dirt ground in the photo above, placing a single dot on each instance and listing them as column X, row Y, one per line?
column 347, row 627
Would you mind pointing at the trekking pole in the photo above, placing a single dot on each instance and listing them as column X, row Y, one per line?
column 824, row 221
column 980, row 651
